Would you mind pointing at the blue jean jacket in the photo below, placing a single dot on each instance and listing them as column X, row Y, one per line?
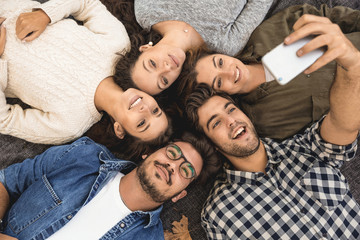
column 46, row 192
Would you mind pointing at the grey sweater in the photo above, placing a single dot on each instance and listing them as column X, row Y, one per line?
column 225, row 25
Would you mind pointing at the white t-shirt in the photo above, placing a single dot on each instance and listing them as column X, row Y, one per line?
column 268, row 76
column 98, row 216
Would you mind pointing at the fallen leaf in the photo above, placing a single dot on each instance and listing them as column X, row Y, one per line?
column 179, row 230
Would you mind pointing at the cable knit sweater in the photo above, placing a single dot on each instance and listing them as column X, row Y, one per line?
column 225, row 26
column 57, row 74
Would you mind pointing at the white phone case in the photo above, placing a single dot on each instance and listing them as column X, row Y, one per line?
column 283, row 63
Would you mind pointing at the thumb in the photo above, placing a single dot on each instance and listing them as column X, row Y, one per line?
column 32, row 36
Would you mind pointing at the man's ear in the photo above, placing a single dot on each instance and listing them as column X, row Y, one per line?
column 119, row 130
column 179, row 196
column 145, row 47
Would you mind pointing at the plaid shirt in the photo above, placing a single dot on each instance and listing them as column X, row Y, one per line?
column 303, row 195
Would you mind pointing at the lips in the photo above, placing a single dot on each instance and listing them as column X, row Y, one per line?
column 135, row 101
column 175, row 60
column 237, row 75
column 238, row 132
column 163, row 172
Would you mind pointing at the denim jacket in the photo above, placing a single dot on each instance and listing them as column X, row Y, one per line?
column 46, row 192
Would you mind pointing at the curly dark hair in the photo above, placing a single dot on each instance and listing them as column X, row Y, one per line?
column 130, row 147
column 201, row 94
column 211, row 159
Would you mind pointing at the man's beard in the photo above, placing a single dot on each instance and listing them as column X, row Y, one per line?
column 235, row 150
column 238, row 151
column 148, row 185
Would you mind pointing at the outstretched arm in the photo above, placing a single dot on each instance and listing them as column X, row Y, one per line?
column 342, row 123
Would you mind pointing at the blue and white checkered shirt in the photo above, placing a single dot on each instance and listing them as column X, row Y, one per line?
column 303, row 195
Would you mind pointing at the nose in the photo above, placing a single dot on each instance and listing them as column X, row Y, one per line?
column 144, row 107
column 230, row 121
column 171, row 165
column 226, row 73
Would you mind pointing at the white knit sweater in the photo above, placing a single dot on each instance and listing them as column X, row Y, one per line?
column 57, row 74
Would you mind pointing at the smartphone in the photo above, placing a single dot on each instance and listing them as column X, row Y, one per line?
column 283, row 63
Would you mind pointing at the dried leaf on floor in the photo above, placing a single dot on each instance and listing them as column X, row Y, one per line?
column 179, row 231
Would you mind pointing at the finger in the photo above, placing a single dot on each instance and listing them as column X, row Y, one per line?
column 317, row 42
column 308, row 18
column 327, row 57
column 2, row 39
column 32, row 36
column 307, row 30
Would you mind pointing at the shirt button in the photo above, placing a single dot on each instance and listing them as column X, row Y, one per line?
column 96, row 186
column 324, row 235
column 303, row 210
column 308, row 76
column 122, row 225
column 280, row 188
column 69, row 217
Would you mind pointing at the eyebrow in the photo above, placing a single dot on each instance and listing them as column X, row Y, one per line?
column 213, row 82
column 215, row 115
column 208, row 122
column 145, row 66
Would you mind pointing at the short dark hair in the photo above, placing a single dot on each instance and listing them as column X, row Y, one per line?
column 201, row 94
column 211, row 159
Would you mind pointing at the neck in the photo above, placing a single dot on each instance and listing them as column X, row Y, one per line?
column 133, row 195
column 179, row 34
column 107, row 96
column 253, row 163
column 257, row 76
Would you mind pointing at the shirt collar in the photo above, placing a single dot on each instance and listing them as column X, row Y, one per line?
column 242, row 177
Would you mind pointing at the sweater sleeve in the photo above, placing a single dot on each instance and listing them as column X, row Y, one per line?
column 94, row 16
column 238, row 33
column 36, row 126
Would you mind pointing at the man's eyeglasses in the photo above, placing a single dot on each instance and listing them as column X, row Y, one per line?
column 186, row 169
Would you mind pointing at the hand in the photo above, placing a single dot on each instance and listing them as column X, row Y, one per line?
column 2, row 36
column 6, row 237
column 30, row 25
column 327, row 34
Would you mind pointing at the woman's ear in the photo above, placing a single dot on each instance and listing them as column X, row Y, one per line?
column 119, row 130
column 145, row 47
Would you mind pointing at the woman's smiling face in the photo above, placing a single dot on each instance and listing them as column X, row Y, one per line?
column 222, row 73
column 140, row 115
column 157, row 67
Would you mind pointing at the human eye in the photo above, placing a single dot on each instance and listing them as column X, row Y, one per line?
column 221, row 62
column 152, row 63
column 141, row 123
column 232, row 109
column 216, row 123
column 188, row 170
column 165, row 81
column 156, row 110
column 219, row 83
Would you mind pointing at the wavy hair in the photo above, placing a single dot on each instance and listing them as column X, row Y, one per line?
column 211, row 159
column 201, row 94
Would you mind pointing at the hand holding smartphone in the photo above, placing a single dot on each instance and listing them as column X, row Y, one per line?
column 283, row 63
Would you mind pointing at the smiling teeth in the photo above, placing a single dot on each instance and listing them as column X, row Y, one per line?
column 237, row 75
column 238, row 132
column 136, row 102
